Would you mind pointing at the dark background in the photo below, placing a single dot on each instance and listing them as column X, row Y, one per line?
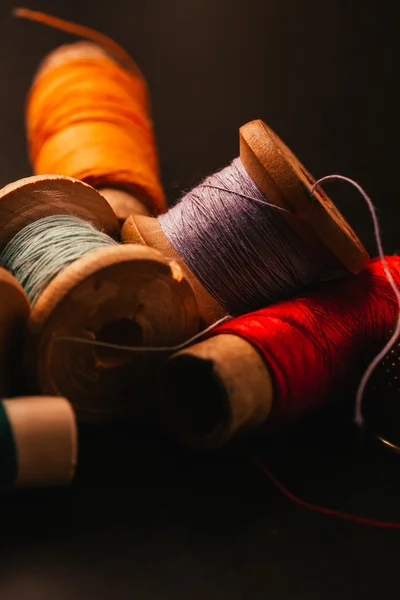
column 145, row 520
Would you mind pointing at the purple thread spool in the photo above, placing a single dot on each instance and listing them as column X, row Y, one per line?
column 254, row 233
column 238, row 244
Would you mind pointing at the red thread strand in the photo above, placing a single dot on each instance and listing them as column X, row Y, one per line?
column 320, row 509
column 316, row 344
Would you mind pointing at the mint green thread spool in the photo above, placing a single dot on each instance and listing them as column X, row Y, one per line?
column 83, row 284
column 45, row 247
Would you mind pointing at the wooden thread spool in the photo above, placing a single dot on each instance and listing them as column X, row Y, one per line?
column 233, row 392
column 274, row 366
column 14, row 313
column 38, row 441
column 122, row 201
column 125, row 294
column 287, row 184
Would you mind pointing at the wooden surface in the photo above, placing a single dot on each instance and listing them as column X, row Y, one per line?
column 144, row 519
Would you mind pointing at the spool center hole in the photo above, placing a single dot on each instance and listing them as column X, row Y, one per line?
column 124, row 332
column 195, row 403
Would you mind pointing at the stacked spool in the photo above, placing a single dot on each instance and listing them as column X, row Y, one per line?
column 76, row 129
column 318, row 229
column 62, row 140
column 38, row 437
column 88, row 121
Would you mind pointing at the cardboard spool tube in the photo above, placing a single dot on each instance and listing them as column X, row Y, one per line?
column 286, row 183
column 14, row 313
column 128, row 295
column 213, row 391
column 38, row 441
column 123, row 202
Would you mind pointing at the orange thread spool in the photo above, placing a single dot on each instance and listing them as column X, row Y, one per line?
column 88, row 117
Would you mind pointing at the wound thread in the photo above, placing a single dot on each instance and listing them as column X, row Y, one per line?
column 41, row 250
column 238, row 244
column 88, row 117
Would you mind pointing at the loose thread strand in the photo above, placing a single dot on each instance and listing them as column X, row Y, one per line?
column 143, row 349
column 315, row 507
column 245, row 196
column 81, row 31
column 358, row 416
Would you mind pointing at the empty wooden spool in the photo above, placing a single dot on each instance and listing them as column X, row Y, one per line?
column 125, row 294
column 286, row 183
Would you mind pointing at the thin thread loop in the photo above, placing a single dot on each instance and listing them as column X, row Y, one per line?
column 358, row 416
column 315, row 507
column 82, row 31
column 144, row 349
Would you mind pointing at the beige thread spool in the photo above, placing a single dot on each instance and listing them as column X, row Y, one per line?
column 125, row 294
column 38, row 441
column 286, row 183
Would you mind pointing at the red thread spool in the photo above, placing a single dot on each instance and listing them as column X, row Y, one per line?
column 275, row 365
